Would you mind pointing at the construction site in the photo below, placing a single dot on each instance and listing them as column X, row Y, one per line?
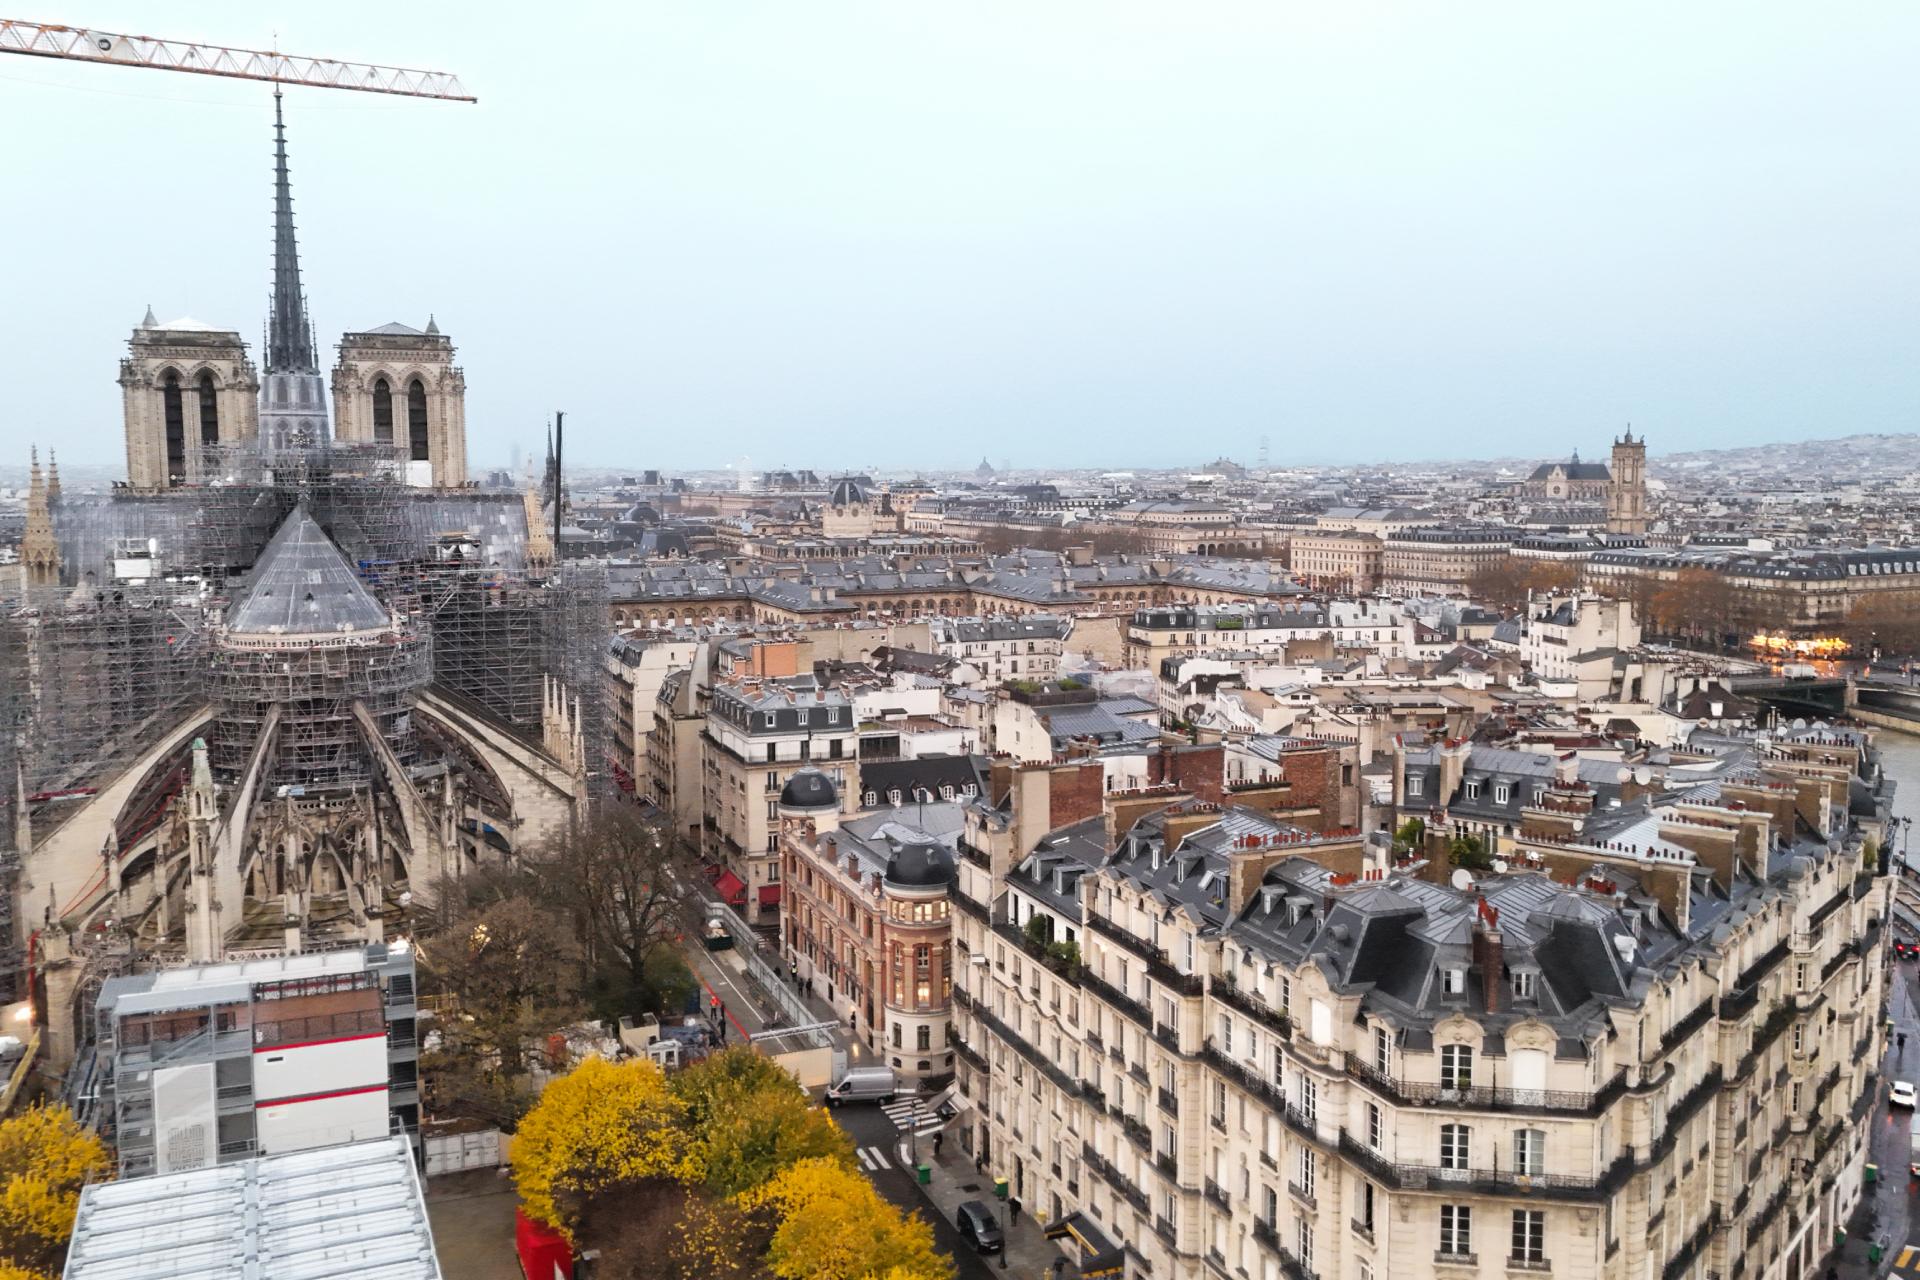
column 292, row 675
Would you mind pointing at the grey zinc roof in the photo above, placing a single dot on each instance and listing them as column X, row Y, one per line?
column 303, row 585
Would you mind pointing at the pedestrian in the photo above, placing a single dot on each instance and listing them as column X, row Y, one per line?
column 713, row 1008
column 938, row 1138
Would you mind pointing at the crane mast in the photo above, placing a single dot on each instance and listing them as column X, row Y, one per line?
column 45, row 40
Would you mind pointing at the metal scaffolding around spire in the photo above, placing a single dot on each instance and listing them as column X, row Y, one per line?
column 290, row 347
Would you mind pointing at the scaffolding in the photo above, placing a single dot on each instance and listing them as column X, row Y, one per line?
column 94, row 671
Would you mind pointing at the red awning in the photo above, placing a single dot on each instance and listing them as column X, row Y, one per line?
column 732, row 888
column 770, row 895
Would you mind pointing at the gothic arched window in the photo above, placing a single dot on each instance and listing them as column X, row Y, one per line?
column 176, row 429
column 209, row 412
column 417, row 419
column 382, row 412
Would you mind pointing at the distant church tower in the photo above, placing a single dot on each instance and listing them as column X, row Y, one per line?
column 293, row 396
column 1627, row 494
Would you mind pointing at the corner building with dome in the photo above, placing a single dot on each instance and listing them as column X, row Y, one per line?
column 867, row 920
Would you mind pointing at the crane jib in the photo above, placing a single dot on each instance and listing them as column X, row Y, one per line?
column 50, row 41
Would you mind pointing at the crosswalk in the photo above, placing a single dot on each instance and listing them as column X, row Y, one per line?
column 914, row 1114
column 1906, row 1256
column 873, row 1159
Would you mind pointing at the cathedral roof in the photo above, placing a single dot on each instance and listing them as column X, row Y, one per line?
column 303, row 585
column 398, row 329
column 1575, row 470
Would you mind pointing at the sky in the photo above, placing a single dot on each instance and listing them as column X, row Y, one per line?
column 865, row 235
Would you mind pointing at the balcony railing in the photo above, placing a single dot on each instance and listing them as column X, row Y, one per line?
column 1486, row 1098
column 1254, row 1007
column 1159, row 968
column 1420, row 1177
column 1119, row 999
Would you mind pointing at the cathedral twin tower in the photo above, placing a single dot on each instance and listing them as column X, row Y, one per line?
column 191, row 393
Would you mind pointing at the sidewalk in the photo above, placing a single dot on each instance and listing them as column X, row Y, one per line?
column 1029, row 1254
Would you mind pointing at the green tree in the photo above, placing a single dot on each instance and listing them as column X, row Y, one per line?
column 748, row 1121
column 1470, row 851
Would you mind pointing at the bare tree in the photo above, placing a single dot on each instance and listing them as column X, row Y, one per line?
column 629, row 886
column 502, row 960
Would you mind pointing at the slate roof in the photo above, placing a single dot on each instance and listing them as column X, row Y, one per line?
column 302, row 585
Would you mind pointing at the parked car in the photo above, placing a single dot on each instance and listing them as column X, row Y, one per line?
column 1901, row 1095
column 979, row 1228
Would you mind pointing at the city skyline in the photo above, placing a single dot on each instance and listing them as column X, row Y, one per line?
column 1373, row 235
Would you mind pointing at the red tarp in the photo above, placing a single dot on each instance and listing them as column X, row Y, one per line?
column 544, row 1252
column 770, row 895
column 732, row 888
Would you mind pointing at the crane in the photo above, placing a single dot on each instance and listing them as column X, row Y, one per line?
column 45, row 40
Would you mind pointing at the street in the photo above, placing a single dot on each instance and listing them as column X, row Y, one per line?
column 878, row 1143
column 1891, row 1203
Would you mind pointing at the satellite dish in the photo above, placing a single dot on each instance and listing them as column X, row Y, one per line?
column 1643, row 775
column 1462, row 880
column 1623, row 774
column 1499, row 866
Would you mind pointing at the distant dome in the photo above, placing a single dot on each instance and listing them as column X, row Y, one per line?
column 809, row 789
column 846, row 493
column 641, row 513
column 921, row 865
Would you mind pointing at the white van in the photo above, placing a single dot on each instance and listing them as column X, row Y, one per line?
column 863, row 1084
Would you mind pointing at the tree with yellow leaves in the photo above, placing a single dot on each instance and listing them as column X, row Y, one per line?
column 833, row 1226
column 601, row 1124
column 45, row 1158
column 747, row 1120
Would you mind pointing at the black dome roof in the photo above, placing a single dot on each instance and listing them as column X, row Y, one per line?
column 846, row 493
column 921, row 864
column 809, row 789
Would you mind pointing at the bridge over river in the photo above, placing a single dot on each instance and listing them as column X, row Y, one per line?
column 1875, row 700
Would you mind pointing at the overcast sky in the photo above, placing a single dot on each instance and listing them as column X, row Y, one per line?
column 896, row 235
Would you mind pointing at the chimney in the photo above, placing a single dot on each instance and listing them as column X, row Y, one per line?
column 1489, row 953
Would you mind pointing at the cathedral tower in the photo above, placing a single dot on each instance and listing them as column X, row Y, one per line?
column 183, row 385
column 398, row 385
column 1627, row 493
column 293, row 395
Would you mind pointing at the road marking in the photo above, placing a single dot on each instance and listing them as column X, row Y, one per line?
column 874, row 1158
column 1905, row 1254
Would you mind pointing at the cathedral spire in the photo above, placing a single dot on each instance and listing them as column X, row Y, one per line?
column 290, row 346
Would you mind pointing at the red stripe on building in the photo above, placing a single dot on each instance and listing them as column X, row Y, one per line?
column 317, row 1097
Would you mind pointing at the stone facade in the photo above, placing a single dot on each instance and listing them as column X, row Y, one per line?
column 184, row 385
column 396, row 385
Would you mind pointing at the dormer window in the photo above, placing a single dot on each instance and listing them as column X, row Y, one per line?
column 893, row 796
column 1502, row 793
column 833, row 715
column 803, row 717
column 1473, row 791
column 946, row 792
column 1453, row 982
column 873, row 798
column 769, row 720
column 1523, row 984
column 1413, row 784
column 1539, row 794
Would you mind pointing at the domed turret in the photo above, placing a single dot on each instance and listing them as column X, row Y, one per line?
column 809, row 791
column 920, row 864
column 846, row 493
